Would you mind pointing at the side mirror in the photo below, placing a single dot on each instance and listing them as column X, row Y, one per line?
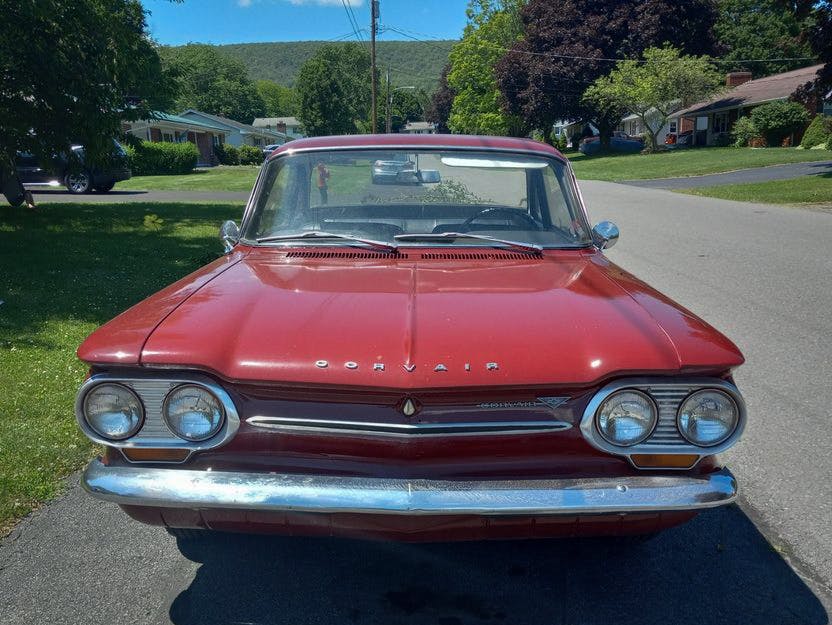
column 229, row 235
column 605, row 235
column 429, row 176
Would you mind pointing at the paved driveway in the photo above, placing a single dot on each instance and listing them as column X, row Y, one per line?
column 757, row 272
column 758, row 174
column 116, row 196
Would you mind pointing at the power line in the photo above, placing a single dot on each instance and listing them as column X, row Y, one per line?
column 567, row 57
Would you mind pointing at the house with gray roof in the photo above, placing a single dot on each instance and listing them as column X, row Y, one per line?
column 239, row 133
column 176, row 129
column 291, row 126
column 713, row 119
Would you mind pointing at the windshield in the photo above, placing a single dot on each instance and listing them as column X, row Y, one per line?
column 393, row 195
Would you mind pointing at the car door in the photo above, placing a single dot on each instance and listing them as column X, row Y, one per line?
column 29, row 170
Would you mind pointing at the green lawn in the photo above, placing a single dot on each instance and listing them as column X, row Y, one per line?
column 240, row 178
column 66, row 270
column 694, row 162
column 804, row 190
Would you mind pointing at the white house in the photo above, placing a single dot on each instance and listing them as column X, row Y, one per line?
column 634, row 126
column 419, row 128
column 238, row 133
column 290, row 126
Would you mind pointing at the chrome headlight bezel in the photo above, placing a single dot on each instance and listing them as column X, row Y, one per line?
column 719, row 441
column 654, row 419
column 166, row 417
column 85, row 410
column 152, row 386
column 668, row 393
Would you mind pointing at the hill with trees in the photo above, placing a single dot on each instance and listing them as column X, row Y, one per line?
column 411, row 62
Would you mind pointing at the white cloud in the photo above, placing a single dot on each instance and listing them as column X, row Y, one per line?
column 244, row 3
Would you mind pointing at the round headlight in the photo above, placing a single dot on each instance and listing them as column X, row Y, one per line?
column 626, row 418
column 708, row 417
column 193, row 412
column 113, row 411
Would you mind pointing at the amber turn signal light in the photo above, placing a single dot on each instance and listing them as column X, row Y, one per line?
column 140, row 454
column 664, row 461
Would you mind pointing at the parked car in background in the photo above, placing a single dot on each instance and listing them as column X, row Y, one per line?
column 451, row 357
column 267, row 150
column 393, row 168
column 74, row 173
column 619, row 142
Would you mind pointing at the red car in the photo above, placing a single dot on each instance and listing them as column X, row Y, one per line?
column 446, row 357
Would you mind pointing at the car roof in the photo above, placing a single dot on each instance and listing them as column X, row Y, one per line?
column 418, row 141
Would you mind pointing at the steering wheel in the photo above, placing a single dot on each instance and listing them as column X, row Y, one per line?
column 513, row 213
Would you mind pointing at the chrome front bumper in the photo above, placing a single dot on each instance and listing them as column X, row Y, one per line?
column 178, row 488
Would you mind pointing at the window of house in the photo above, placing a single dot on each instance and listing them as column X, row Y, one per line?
column 672, row 127
column 167, row 136
column 720, row 122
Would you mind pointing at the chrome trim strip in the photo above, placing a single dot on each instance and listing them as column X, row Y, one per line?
column 415, row 430
column 178, row 488
column 649, row 386
column 226, row 433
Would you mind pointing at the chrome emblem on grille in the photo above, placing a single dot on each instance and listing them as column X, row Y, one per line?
column 410, row 367
column 408, row 408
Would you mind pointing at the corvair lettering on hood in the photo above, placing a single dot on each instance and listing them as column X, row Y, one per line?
column 409, row 367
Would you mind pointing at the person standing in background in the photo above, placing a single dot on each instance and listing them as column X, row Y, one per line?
column 323, row 177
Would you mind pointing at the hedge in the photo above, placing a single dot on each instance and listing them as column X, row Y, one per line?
column 227, row 154
column 250, row 155
column 777, row 120
column 153, row 159
column 818, row 132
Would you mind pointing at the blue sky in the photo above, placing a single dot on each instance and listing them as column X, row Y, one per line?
column 238, row 21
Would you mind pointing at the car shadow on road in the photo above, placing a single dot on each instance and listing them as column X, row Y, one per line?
column 716, row 569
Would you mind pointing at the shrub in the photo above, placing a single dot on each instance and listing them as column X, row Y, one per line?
column 227, row 154
column 744, row 132
column 818, row 132
column 250, row 155
column 152, row 159
column 775, row 121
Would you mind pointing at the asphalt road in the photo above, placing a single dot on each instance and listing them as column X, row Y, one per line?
column 117, row 196
column 759, row 273
column 740, row 176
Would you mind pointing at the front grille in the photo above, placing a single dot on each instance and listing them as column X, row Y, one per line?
column 668, row 399
column 152, row 393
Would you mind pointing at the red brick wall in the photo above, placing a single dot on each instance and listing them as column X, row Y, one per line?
column 155, row 135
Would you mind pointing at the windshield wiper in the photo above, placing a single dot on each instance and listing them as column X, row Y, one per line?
column 530, row 248
column 317, row 234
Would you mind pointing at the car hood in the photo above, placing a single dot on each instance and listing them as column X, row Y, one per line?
column 430, row 320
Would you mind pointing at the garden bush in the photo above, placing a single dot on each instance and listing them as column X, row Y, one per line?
column 250, row 155
column 775, row 121
column 819, row 132
column 744, row 132
column 153, row 159
column 227, row 154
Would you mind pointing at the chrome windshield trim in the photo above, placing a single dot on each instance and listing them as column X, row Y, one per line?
column 180, row 488
column 662, row 440
column 407, row 430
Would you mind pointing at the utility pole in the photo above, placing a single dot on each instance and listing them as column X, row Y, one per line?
column 389, row 125
column 373, row 20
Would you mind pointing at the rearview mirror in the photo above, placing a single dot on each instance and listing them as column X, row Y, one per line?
column 229, row 235
column 605, row 235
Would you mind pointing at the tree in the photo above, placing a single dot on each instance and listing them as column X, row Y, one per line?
column 439, row 109
column 280, row 101
column 334, row 90
column 652, row 88
column 407, row 107
column 493, row 26
column 71, row 71
column 777, row 120
column 567, row 45
column 761, row 29
column 211, row 82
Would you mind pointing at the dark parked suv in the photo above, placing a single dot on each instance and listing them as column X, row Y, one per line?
column 81, row 179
